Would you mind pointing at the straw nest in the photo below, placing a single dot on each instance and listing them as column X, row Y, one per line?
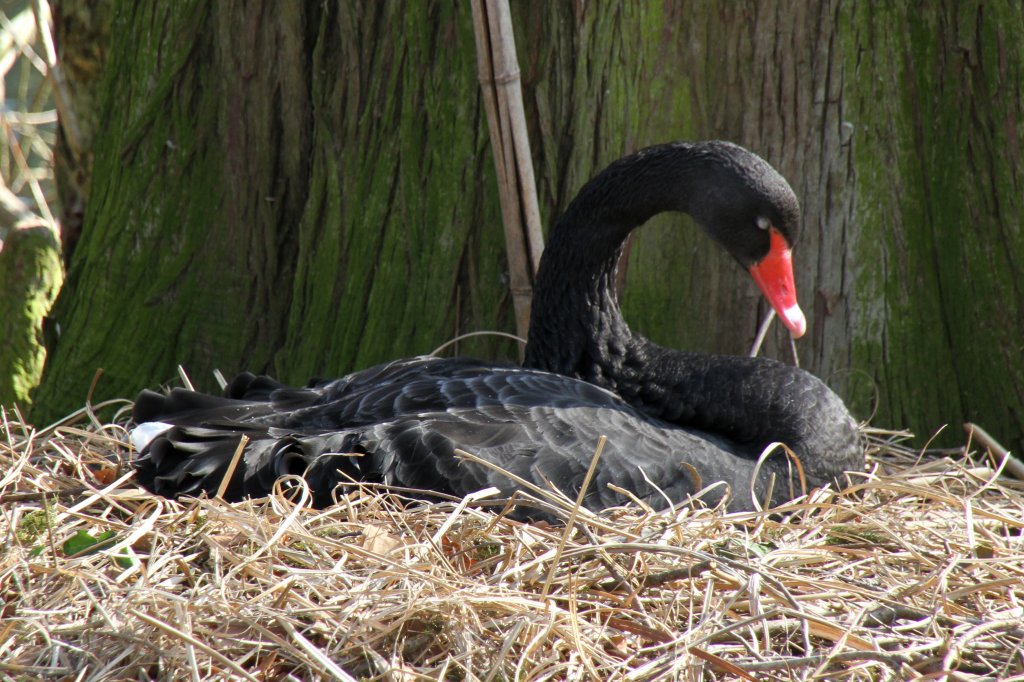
column 915, row 572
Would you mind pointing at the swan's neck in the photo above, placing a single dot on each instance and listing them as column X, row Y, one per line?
column 576, row 326
column 577, row 329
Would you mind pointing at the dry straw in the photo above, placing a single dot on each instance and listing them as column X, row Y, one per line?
column 915, row 572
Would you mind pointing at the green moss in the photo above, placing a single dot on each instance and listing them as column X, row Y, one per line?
column 30, row 277
column 141, row 233
column 34, row 524
column 391, row 226
column 939, row 318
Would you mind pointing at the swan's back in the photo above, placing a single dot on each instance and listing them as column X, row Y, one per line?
column 400, row 424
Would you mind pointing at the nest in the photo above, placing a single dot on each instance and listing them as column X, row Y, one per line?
column 916, row 571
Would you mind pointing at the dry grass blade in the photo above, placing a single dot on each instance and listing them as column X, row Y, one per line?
column 570, row 524
column 917, row 572
column 232, row 465
column 328, row 665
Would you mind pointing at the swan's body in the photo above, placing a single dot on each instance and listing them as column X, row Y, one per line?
column 675, row 422
column 537, row 425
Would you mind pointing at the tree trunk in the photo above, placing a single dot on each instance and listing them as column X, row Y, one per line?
column 281, row 188
column 311, row 191
column 937, row 250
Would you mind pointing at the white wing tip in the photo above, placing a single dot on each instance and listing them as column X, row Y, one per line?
column 143, row 434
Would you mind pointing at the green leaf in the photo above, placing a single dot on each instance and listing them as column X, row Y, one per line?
column 82, row 543
column 124, row 560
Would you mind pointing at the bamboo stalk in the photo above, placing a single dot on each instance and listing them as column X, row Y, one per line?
column 1010, row 465
column 503, row 101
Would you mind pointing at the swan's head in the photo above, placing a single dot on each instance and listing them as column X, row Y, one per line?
column 734, row 195
column 748, row 207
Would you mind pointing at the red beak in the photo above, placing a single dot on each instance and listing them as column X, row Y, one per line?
column 774, row 276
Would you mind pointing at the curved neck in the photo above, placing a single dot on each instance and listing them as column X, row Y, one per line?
column 576, row 326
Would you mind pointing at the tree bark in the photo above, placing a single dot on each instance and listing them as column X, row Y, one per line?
column 281, row 188
column 312, row 191
column 30, row 275
column 935, row 105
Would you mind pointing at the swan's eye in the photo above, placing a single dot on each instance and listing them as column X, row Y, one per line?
column 763, row 223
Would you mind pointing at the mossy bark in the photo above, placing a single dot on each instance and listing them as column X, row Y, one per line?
column 30, row 276
column 935, row 101
column 311, row 191
column 284, row 188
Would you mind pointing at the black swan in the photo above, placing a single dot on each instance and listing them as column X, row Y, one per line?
column 675, row 421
